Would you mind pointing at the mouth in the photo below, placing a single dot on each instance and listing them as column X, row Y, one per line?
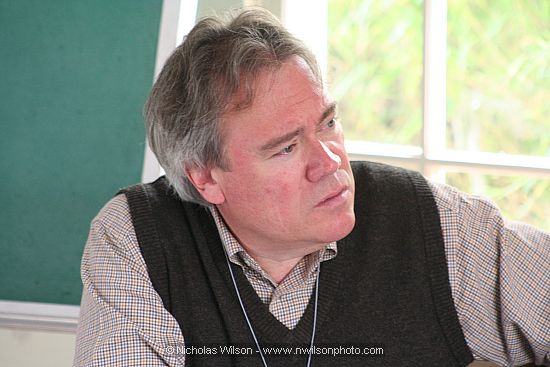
column 335, row 198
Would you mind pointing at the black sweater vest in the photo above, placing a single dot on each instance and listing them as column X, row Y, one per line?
column 388, row 286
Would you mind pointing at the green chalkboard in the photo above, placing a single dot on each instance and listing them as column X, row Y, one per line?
column 74, row 75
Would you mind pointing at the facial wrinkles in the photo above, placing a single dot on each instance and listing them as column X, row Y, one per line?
column 283, row 190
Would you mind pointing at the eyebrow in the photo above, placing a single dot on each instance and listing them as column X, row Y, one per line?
column 272, row 143
column 330, row 110
column 275, row 142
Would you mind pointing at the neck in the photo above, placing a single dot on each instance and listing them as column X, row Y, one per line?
column 277, row 261
column 277, row 269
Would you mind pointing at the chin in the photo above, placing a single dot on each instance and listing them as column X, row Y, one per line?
column 339, row 227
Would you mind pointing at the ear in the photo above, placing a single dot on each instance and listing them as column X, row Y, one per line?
column 206, row 185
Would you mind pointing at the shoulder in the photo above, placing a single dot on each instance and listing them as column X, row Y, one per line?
column 375, row 169
column 112, row 236
column 379, row 178
column 466, row 209
column 114, row 218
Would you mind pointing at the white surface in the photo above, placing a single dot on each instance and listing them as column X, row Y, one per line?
column 435, row 76
column 38, row 316
column 36, row 348
column 308, row 21
column 177, row 19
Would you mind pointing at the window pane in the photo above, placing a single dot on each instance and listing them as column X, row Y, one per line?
column 375, row 68
column 498, row 76
column 520, row 198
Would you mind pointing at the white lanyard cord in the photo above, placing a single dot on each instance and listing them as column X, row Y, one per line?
column 250, row 324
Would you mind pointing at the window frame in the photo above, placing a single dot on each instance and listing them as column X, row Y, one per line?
column 432, row 158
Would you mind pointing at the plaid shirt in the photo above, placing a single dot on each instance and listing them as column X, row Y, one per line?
column 287, row 300
column 499, row 274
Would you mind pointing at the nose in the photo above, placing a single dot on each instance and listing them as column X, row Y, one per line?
column 323, row 162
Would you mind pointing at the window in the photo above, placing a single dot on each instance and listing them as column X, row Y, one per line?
column 457, row 90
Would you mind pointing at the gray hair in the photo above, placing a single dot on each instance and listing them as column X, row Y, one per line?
column 217, row 60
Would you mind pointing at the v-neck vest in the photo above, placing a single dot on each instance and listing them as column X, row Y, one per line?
column 387, row 288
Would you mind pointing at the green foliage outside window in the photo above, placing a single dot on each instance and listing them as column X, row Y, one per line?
column 498, row 76
column 375, row 68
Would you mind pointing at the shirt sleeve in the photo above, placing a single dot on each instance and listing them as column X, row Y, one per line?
column 499, row 273
column 122, row 319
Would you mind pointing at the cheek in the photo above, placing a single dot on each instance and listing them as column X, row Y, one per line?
column 252, row 189
column 281, row 198
column 277, row 189
column 267, row 188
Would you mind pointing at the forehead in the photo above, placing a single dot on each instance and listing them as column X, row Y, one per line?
column 283, row 97
column 265, row 82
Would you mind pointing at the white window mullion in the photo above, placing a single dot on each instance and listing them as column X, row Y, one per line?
column 177, row 19
column 308, row 21
column 435, row 67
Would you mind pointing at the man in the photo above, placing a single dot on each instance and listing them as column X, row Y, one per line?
column 263, row 235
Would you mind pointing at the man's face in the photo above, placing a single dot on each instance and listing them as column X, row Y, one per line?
column 289, row 188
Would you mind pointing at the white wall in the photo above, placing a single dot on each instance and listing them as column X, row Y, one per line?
column 23, row 347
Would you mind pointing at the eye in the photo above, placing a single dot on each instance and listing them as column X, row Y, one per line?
column 331, row 123
column 287, row 150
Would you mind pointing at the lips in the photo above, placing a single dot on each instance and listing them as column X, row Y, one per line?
column 334, row 197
